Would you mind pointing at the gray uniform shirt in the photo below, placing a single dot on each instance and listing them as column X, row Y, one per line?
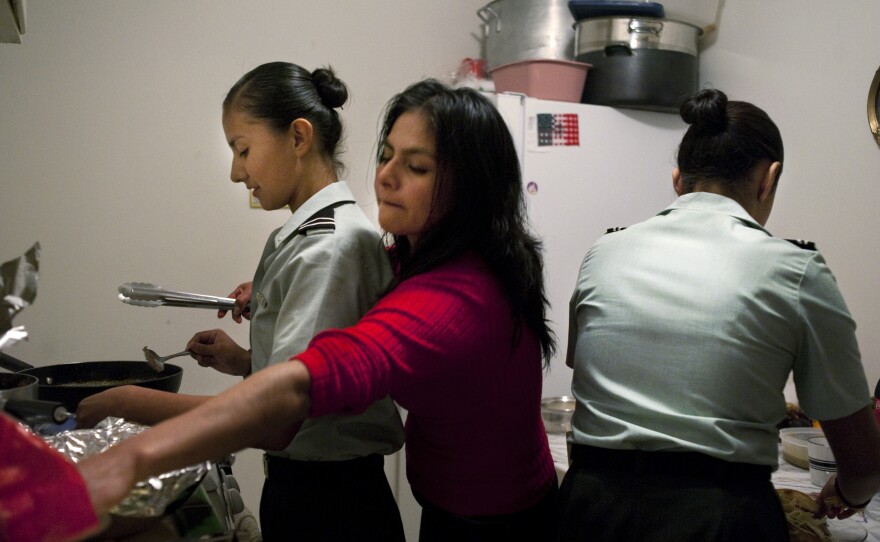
column 685, row 327
column 323, row 269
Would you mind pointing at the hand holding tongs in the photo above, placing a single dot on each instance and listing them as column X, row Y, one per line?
column 144, row 294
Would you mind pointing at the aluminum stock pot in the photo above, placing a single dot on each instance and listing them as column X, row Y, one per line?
column 517, row 30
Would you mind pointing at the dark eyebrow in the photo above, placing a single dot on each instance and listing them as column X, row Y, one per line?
column 412, row 150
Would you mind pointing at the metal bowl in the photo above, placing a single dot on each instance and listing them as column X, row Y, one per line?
column 18, row 386
column 556, row 413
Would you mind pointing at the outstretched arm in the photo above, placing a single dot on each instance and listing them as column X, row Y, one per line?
column 263, row 411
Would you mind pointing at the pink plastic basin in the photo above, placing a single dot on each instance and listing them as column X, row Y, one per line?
column 560, row 80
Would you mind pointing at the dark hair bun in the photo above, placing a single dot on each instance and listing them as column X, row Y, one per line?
column 706, row 110
column 331, row 89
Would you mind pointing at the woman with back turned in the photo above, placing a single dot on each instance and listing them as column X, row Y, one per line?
column 683, row 332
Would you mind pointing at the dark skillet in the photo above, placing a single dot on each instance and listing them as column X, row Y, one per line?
column 70, row 383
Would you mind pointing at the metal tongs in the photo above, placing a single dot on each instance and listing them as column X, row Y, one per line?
column 144, row 294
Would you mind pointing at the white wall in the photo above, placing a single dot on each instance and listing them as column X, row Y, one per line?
column 112, row 154
column 809, row 64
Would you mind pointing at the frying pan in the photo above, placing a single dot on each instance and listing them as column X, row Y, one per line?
column 70, row 383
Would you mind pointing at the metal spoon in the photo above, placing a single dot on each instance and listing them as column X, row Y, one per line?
column 157, row 362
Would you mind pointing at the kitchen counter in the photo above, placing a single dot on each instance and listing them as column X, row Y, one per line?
column 788, row 476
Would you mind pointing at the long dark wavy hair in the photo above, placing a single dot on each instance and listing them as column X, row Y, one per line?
column 478, row 170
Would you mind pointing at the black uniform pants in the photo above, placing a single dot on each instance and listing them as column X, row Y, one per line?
column 631, row 495
column 329, row 501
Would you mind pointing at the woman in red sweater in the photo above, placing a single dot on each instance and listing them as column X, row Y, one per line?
column 458, row 340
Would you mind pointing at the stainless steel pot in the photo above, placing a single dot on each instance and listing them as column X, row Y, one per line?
column 517, row 30
column 599, row 34
column 18, row 397
column 640, row 63
column 18, row 386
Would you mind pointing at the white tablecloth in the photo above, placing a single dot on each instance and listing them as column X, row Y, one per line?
column 788, row 476
column 793, row 477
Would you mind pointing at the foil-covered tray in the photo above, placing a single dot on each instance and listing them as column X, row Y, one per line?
column 149, row 498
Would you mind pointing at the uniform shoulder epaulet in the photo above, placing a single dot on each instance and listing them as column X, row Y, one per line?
column 612, row 230
column 806, row 245
column 322, row 220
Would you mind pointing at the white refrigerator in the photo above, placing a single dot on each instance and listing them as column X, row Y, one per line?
column 586, row 168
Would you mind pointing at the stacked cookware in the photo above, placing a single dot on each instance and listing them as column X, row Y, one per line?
column 529, row 49
column 639, row 58
column 636, row 56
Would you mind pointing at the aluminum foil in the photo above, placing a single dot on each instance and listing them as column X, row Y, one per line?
column 18, row 288
column 150, row 497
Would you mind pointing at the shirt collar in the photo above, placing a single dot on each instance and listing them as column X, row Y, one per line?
column 333, row 193
column 716, row 203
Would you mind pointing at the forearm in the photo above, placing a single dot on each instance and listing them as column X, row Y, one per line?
column 855, row 441
column 267, row 407
column 247, row 366
column 134, row 403
column 857, row 490
column 149, row 407
column 858, row 486
column 238, row 363
column 271, row 402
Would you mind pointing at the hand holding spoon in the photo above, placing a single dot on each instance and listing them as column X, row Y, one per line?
column 157, row 362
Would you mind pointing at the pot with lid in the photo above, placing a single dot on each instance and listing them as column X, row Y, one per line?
column 638, row 62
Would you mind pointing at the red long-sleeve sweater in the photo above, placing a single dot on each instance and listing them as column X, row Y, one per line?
column 442, row 345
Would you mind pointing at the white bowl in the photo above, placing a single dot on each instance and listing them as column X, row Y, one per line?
column 794, row 444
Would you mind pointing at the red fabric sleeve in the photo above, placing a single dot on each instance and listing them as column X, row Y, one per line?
column 423, row 331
